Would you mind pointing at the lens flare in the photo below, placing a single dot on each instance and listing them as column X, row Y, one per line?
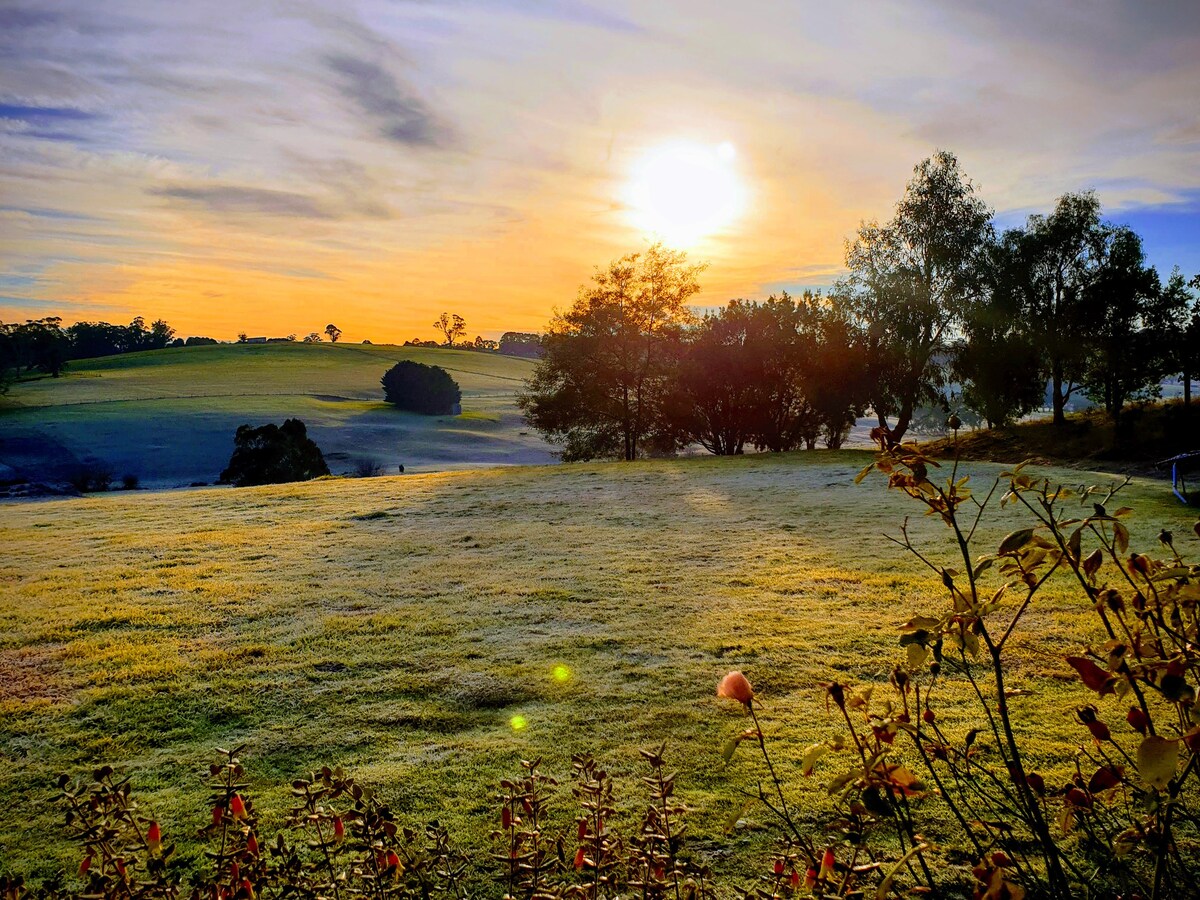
column 518, row 723
column 561, row 674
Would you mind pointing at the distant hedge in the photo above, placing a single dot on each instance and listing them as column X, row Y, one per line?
column 419, row 388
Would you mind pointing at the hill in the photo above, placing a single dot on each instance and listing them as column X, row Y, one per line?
column 168, row 416
column 408, row 627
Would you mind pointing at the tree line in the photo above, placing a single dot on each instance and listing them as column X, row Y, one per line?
column 45, row 345
column 938, row 307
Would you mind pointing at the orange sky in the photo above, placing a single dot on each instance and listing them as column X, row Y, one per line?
column 265, row 168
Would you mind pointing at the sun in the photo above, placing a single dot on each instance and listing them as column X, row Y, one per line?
column 685, row 192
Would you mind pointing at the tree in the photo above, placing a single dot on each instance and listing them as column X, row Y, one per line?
column 834, row 368
column 717, row 395
column 312, row 338
column 158, row 336
column 1187, row 340
column 599, row 389
column 1059, row 258
column 242, row 337
column 521, row 343
column 273, row 454
column 997, row 362
column 909, row 281
column 419, row 388
column 1130, row 350
column 453, row 327
column 334, row 332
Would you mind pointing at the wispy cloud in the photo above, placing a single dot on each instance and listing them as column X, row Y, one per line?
column 236, row 200
column 394, row 111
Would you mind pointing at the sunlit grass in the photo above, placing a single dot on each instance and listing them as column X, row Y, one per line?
column 430, row 631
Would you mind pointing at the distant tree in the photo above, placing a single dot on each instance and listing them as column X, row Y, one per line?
column 835, row 371
column 334, row 332
column 158, row 336
column 419, row 388
column 290, row 337
column 601, row 387
column 365, row 341
column 1187, row 336
column 521, row 343
column 997, row 362
column 909, row 281
column 178, row 342
column 1059, row 259
column 780, row 339
column 312, row 338
column 1130, row 350
column 242, row 337
column 452, row 326
column 485, row 345
column 273, row 454
column 717, row 395
column 199, row 341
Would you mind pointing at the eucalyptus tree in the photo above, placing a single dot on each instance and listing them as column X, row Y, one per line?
column 910, row 280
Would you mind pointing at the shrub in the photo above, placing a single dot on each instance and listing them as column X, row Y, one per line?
column 91, row 477
column 129, row 481
column 342, row 840
column 273, row 454
column 419, row 388
column 369, row 468
column 1125, row 824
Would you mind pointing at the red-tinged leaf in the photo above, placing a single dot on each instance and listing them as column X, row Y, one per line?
column 579, row 858
column 1104, row 779
column 1099, row 731
column 1137, row 719
column 1093, row 677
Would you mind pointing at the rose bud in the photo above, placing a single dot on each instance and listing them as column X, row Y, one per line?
column 735, row 686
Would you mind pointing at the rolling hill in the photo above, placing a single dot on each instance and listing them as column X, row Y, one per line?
column 168, row 416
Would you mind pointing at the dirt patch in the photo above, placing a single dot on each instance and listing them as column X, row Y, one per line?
column 33, row 674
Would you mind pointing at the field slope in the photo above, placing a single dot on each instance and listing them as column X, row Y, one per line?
column 400, row 625
column 168, row 416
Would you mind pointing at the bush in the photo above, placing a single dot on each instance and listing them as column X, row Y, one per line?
column 419, row 388
column 91, row 477
column 273, row 454
column 369, row 468
column 129, row 481
column 341, row 840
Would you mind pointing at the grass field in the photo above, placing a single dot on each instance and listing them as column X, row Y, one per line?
column 398, row 625
column 168, row 416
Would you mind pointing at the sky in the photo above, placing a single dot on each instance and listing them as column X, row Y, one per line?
column 271, row 167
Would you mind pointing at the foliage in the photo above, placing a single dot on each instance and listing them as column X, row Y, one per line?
column 342, row 840
column 997, row 361
column 91, row 477
column 601, row 387
column 452, row 327
column 419, row 388
column 521, row 343
column 333, row 332
column 910, row 280
column 273, row 454
column 312, row 338
column 1132, row 346
column 1126, row 822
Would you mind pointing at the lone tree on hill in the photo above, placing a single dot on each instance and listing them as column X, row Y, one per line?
column 602, row 386
column 334, row 332
column 419, row 388
column 273, row 454
column 453, row 327
column 910, row 280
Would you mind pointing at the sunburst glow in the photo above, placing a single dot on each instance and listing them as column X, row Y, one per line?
column 684, row 192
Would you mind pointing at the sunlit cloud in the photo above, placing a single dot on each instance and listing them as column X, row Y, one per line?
column 256, row 166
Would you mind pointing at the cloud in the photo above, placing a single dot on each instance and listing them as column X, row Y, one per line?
column 397, row 114
column 229, row 199
column 43, row 122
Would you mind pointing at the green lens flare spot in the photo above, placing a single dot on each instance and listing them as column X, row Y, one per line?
column 561, row 674
column 517, row 723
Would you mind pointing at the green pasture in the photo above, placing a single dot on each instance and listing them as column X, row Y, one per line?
column 406, row 627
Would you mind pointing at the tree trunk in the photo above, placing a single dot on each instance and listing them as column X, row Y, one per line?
column 1057, row 400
